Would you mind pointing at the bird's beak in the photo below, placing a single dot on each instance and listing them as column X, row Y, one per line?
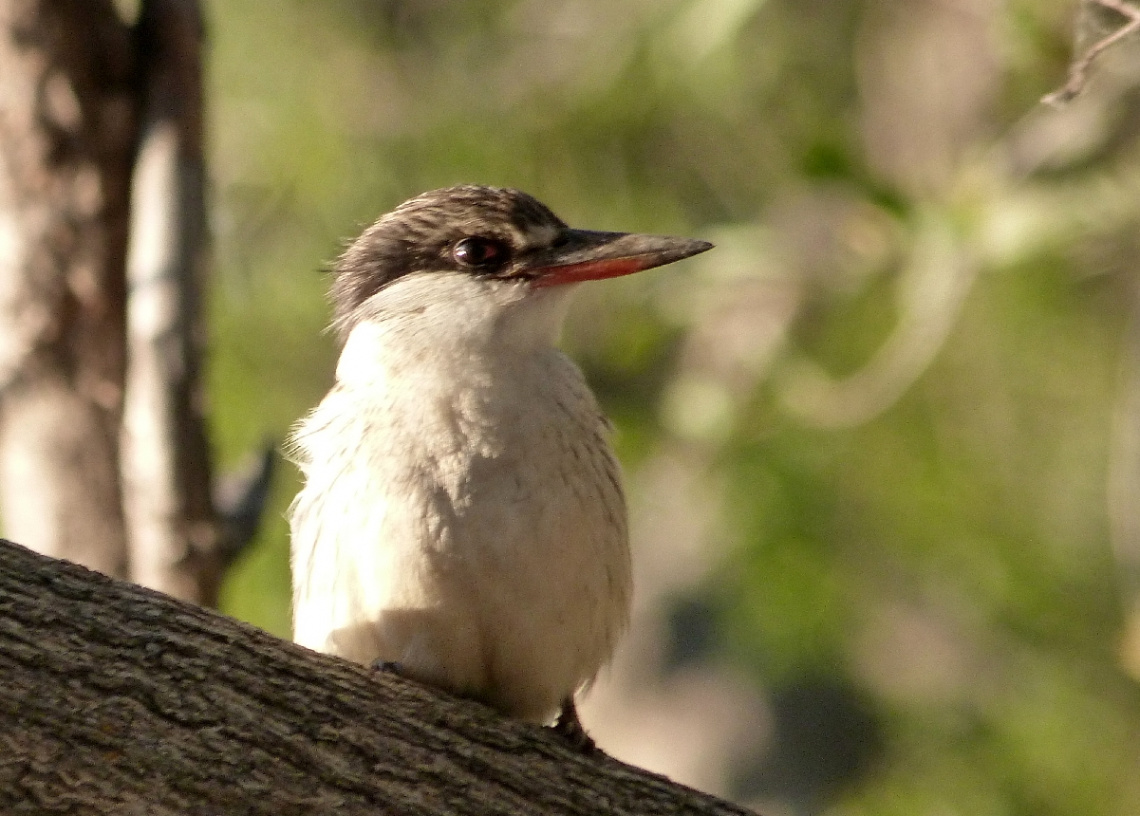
column 582, row 255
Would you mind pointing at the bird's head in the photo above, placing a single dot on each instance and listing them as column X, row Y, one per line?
column 493, row 234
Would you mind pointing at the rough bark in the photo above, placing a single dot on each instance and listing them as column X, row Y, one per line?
column 66, row 142
column 174, row 535
column 117, row 699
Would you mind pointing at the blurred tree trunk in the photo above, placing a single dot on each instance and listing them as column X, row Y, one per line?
column 67, row 133
column 99, row 673
column 173, row 534
column 104, row 457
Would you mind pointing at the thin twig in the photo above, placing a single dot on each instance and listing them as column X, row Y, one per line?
column 1078, row 71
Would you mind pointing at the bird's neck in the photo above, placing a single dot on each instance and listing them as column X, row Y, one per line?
column 442, row 326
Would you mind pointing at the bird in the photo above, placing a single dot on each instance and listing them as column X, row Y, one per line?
column 462, row 519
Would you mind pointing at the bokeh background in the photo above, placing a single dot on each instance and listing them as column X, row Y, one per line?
column 882, row 445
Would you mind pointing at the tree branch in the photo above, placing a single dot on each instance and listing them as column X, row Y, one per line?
column 1078, row 71
column 119, row 699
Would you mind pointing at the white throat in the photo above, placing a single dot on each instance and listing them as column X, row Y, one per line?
column 448, row 320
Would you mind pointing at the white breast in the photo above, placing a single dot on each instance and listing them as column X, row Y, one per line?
column 462, row 513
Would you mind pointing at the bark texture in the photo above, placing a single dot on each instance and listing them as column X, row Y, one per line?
column 117, row 699
column 66, row 142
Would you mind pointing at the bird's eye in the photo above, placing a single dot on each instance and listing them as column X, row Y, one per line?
column 479, row 252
